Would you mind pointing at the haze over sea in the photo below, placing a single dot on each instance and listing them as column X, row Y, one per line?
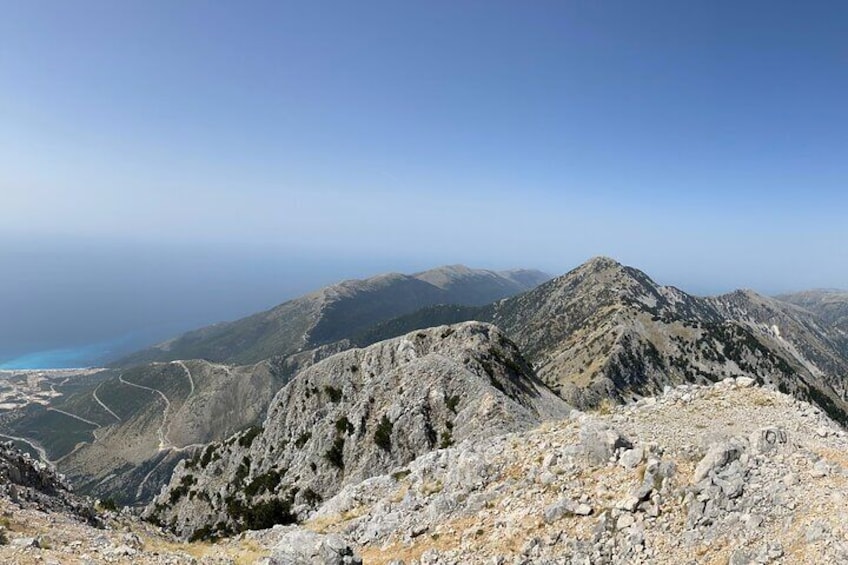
column 81, row 302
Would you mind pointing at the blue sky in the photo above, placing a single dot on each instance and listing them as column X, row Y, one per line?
column 704, row 142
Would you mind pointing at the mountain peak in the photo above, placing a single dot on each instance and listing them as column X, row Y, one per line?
column 601, row 273
column 601, row 262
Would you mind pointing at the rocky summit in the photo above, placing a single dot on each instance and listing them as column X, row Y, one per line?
column 731, row 473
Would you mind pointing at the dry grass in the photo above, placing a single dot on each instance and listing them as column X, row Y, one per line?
column 605, row 407
column 763, row 401
column 431, row 487
column 451, row 537
column 330, row 523
column 399, row 494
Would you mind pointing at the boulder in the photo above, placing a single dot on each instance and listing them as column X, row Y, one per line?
column 303, row 547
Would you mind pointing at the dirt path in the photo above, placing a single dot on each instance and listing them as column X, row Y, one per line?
column 100, row 402
column 80, row 418
column 188, row 374
column 164, row 443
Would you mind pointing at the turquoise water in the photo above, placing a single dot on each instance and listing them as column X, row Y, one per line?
column 69, row 358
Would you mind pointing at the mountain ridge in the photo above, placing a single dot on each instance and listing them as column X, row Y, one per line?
column 334, row 312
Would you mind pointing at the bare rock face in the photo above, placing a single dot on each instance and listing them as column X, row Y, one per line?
column 354, row 415
column 30, row 483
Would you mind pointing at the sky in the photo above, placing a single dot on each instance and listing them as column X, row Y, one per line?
column 165, row 165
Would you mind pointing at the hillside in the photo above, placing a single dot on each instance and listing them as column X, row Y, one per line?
column 337, row 312
column 601, row 332
column 458, row 444
column 830, row 306
column 118, row 434
column 727, row 473
column 357, row 414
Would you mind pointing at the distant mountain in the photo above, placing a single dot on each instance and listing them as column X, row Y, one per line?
column 336, row 313
column 354, row 415
column 604, row 331
column 831, row 307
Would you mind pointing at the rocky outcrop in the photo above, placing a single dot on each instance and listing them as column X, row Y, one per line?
column 30, row 483
column 729, row 473
column 297, row 546
column 354, row 415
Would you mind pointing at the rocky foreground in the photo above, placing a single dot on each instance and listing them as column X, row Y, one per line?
column 731, row 473
column 43, row 522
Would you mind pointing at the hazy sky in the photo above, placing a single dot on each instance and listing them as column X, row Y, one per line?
column 258, row 148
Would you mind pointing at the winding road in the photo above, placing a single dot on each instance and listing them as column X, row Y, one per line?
column 188, row 374
column 80, row 418
column 140, row 490
column 100, row 402
column 163, row 429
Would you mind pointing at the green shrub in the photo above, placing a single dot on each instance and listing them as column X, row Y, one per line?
column 109, row 504
column 302, row 439
column 447, row 439
column 383, row 435
column 401, row 475
column 335, row 455
column 268, row 513
column 311, row 497
column 335, row 394
column 243, row 470
column 207, row 456
column 247, row 439
column 343, row 425
column 177, row 493
column 203, row 534
column 263, row 483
